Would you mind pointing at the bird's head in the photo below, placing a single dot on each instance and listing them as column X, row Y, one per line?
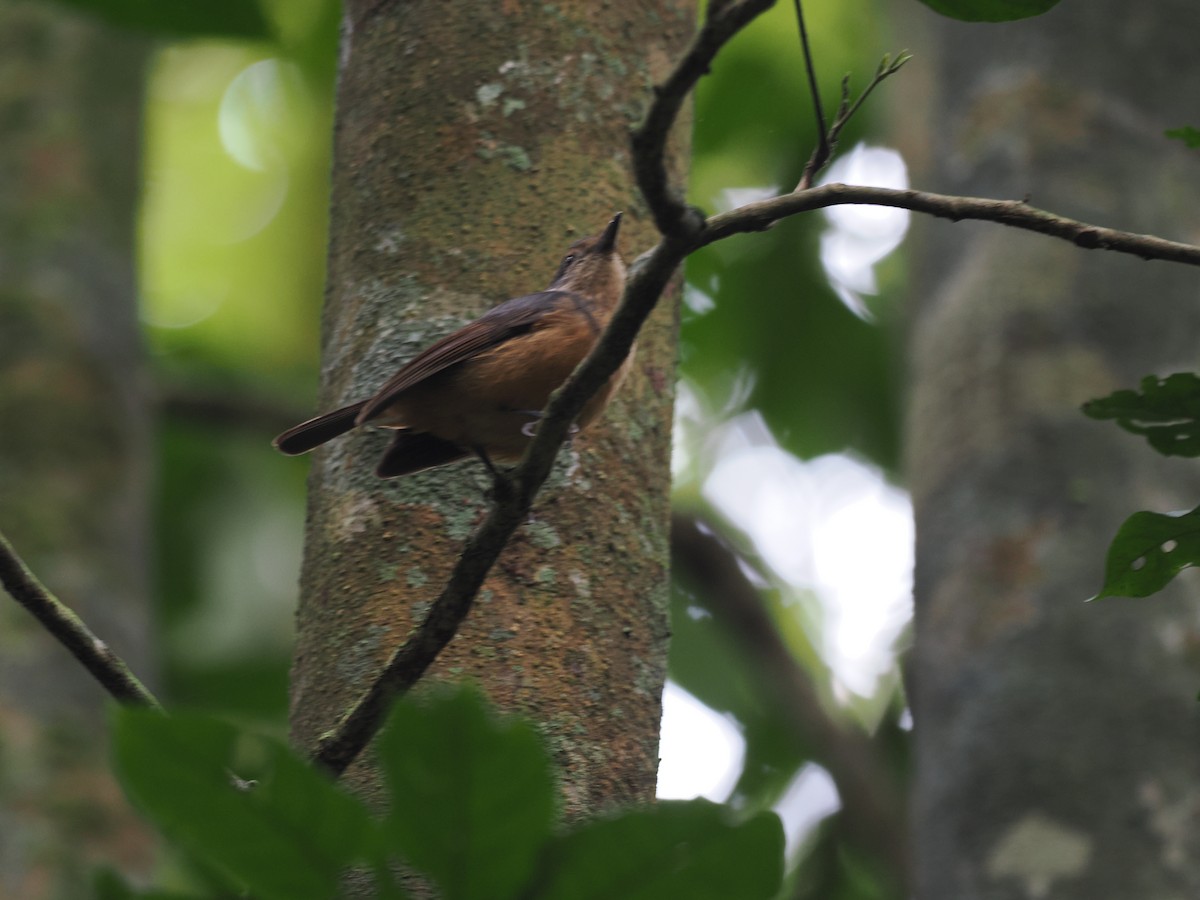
column 593, row 266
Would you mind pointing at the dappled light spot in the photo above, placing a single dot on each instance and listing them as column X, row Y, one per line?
column 687, row 724
column 812, row 522
column 861, row 236
column 810, row 798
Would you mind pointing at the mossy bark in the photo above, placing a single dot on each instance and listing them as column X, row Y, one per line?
column 74, row 450
column 474, row 142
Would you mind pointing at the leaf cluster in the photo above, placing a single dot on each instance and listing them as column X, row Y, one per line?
column 471, row 810
column 1150, row 549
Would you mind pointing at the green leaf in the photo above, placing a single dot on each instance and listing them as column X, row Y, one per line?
column 1166, row 412
column 1149, row 550
column 181, row 18
column 1186, row 133
column 243, row 802
column 690, row 850
column 990, row 10
column 472, row 798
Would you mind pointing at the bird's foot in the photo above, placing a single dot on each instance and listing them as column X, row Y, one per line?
column 529, row 429
column 502, row 485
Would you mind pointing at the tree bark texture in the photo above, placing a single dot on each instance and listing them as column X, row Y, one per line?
column 1056, row 740
column 74, row 448
column 474, row 142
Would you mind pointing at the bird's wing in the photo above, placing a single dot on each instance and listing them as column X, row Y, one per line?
column 497, row 325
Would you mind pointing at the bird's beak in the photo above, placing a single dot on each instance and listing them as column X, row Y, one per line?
column 608, row 240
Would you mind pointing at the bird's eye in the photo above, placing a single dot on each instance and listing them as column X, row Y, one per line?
column 564, row 267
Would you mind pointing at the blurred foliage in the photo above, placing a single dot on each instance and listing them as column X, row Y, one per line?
column 719, row 672
column 234, row 212
column 180, row 18
column 764, row 330
column 762, row 327
column 233, row 235
column 1186, row 133
column 230, row 523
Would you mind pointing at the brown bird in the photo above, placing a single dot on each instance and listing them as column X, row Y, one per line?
column 482, row 389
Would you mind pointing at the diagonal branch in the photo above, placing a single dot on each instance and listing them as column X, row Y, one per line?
column 70, row 631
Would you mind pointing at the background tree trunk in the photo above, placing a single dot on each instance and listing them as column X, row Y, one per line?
column 1056, row 741
column 74, row 455
column 474, row 141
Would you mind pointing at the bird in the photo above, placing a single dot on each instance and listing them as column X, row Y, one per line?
column 482, row 389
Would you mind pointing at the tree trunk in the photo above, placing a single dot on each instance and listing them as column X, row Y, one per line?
column 74, row 452
column 1056, row 740
column 474, row 142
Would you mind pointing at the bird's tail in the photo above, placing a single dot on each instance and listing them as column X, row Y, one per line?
column 313, row 433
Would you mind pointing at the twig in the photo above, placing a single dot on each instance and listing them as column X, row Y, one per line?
column 872, row 802
column 846, row 110
column 823, row 149
column 887, row 67
column 70, row 631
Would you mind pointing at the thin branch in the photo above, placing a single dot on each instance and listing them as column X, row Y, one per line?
column 823, row 148
column 872, row 802
column 70, row 631
column 762, row 214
